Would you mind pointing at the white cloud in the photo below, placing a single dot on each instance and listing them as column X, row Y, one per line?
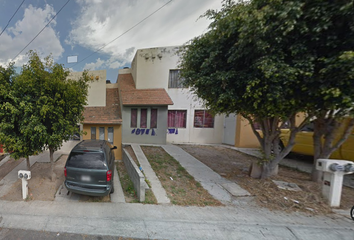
column 94, row 65
column 99, row 22
column 15, row 38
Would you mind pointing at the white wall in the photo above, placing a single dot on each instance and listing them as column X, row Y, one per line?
column 97, row 88
column 150, row 69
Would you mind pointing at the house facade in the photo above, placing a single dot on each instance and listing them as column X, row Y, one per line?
column 102, row 115
column 144, row 111
column 188, row 120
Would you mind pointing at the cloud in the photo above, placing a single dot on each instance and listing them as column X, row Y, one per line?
column 99, row 22
column 15, row 38
column 94, row 65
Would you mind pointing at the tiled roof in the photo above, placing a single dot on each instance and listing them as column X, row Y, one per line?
column 132, row 96
column 110, row 114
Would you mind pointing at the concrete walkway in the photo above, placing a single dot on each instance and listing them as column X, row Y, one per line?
column 156, row 186
column 219, row 187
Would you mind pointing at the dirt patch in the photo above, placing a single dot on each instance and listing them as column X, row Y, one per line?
column 234, row 166
column 40, row 186
column 8, row 166
column 181, row 188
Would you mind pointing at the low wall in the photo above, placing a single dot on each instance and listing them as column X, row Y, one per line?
column 135, row 175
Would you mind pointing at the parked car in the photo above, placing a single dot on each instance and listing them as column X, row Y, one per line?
column 304, row 143
column 89, row 169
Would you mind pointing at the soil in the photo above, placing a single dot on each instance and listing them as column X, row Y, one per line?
column 40, row 186
column 8, row 166
column 234, row 166
column 181, row 187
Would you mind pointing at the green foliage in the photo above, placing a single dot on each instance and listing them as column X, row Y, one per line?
column 40, row 107
column 269, row 59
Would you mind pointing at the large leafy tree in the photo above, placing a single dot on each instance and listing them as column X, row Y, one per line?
column 59, row 101
column 51, row 106
column 260, row 59
column 234, row 72
column 20, row 130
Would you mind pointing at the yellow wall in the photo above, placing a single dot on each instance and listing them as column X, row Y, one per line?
column 244, row 136
column 117, row 139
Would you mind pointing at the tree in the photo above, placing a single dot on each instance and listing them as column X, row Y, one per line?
column 59, row 102
column 20, row 130
column 268, row 60
column 233, row 68
column 42, row 107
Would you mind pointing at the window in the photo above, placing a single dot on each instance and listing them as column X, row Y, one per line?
column 153, row 118
column 93, row 133
column 143, row 118
column 134, row 118
column 177, row 118
column 101, row 132
column 203, row 119
column 88, row 160
column 175, row 81
column 110, row 135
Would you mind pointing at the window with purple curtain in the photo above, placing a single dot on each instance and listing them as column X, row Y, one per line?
column 133, row 118
column 143, row 118
column 203, row 119
column 153, row 119
column 177, row 118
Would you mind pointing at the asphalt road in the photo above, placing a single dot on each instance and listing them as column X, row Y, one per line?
column 19, row 234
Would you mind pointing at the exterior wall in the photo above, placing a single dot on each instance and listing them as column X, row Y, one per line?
column 184, row 100
column 160, row 131
column 97, row 88
column 245, row 137
column 151, row 67
column 117, row 133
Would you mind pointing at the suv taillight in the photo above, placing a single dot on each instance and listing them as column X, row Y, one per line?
column 109, row 175
column 65, row 172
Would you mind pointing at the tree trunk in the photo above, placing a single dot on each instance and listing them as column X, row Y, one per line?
column 28, row 164
column 51, row 152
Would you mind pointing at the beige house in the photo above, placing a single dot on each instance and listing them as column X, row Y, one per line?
column 102, row 116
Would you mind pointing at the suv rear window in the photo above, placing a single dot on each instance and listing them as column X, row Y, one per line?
column 87, row 160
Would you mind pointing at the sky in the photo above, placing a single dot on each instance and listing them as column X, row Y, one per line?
column 83, row 27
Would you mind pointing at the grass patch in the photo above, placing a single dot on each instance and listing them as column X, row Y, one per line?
column 128, row 187
column 180, row 186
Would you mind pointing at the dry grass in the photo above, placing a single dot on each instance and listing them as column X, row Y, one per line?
column 234, row 166
column 181, row 188
column 128, row 187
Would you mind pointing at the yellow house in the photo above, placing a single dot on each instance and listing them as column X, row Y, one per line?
column 105, row 123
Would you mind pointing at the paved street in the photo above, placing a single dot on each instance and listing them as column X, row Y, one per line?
column 238, row 219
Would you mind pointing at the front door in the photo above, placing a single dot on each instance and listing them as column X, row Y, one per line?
column 229, row 130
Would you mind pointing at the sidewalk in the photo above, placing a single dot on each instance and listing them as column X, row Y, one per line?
column 240, row 221
column 171, row 222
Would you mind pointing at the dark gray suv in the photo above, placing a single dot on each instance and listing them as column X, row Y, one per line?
column 89, row 169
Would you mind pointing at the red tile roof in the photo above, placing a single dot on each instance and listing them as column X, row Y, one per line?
column 132, row 96
column 110, row 114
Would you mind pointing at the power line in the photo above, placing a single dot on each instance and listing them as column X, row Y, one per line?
column 123, row 33
column 11, row 18
column 41, row 30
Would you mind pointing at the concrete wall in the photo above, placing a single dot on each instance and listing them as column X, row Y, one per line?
column 160, row 131
column 244, row 134
column 150, row 69
column 117, row 133
column 136, row 176
column 97, row 88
